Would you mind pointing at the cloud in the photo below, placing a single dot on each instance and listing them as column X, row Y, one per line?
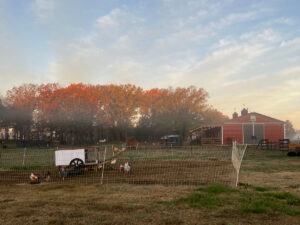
column 43, row 8
column 109, row 21
column 106, row 54
column 240, row 55
column 271, row 88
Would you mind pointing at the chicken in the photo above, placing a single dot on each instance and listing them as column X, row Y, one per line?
column 63, row 172
column 47, row 177
column 34, row 179
column 121, row 168
column 126, row 167
column 113, row 162
column 116, row 150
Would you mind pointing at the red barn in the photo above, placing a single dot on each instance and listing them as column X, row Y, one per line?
column 249, row 128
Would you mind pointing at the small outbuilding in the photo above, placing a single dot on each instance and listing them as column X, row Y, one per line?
column 171, row 140
column 249, row 128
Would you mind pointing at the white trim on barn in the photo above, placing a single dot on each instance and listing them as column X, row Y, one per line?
column 222, row 135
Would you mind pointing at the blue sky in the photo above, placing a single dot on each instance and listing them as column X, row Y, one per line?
column 244, row 53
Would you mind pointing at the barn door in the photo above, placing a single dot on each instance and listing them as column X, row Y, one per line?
column 258, row 132
column 248, row 132
column 251, row 137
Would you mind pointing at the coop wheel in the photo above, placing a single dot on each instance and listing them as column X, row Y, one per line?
column 77, row 163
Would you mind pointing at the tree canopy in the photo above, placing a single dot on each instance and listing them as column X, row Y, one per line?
column 82, row 113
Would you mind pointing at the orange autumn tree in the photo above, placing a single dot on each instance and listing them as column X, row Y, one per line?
column 83, row 114
column 172, row 111
column 211, row 115
column 71, row 112
column 22, row 102
column 120, row 105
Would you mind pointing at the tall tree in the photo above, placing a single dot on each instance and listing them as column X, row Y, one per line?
column 82, row 114
column 172, row 110
column 289, row 129
column 22, row 102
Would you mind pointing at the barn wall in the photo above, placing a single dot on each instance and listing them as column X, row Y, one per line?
column 273, row 132
column 234, row 132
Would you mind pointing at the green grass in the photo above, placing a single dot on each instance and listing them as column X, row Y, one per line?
column 263, row 189
column 136, row 204
column 257, row 200
column 266, row 204
column 290, row 198
column 34, row 157
column 217, row 189
column 269, row 161
column 199, row 200
column 19, row 158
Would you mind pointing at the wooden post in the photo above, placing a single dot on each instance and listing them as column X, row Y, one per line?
column 24, row 155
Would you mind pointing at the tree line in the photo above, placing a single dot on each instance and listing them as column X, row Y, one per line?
column 84, row 114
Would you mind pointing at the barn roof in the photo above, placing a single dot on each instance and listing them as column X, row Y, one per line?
column 234, row 120
column 256, row 114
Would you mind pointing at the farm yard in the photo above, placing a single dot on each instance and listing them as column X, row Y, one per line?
column 155, row 191
column 149, row 112
column 149, row 165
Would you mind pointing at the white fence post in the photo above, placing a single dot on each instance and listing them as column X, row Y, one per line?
column 103, row 166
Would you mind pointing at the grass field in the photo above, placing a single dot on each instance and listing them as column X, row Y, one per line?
column 269, row 193
column 148, row 166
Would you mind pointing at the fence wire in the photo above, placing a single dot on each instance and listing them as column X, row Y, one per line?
column 188, row 165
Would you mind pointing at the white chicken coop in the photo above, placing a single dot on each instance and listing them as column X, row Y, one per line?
column 77, row 158
column 76, row 161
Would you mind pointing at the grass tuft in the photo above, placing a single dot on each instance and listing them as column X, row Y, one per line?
column 290, row 198
column 217, row 189
column 269, row 202
column 199, row 200
column 263, row 189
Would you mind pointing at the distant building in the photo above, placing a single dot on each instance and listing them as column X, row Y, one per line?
column 171, row 140
column 249, row 128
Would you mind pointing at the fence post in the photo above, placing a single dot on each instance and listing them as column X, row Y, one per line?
column 24, row 155
column 103, row 166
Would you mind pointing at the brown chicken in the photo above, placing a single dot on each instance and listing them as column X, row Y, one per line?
column 116, row 150
column 34, row 179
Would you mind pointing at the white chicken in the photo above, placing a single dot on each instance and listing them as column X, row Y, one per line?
column 126, row 167
column 47, row 177
column 34, row 179
column 113, row 162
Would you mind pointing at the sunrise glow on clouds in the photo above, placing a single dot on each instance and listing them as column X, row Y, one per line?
column 244, row 53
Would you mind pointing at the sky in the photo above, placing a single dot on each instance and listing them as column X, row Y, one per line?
column 244, row 53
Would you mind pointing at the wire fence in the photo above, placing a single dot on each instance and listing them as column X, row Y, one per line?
column 188, row 165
